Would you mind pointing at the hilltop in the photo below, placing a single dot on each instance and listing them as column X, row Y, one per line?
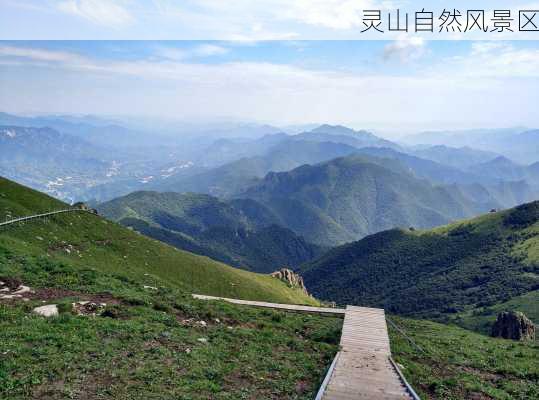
column 436, row 273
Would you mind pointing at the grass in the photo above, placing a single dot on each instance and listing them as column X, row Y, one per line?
column 154, row 347
column 459, row 364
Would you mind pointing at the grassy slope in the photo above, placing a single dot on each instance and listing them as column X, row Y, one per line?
column 94, row 243
column 459, row 364
column 148, row 347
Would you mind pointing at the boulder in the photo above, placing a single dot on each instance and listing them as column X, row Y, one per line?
column 291, row 278
column 50, row 310
column 513, row 325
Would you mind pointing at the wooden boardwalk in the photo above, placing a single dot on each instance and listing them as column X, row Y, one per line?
column 362, row 369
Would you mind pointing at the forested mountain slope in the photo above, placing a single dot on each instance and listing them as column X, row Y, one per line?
column 435, row 273
column 347, row 198
column 240, row 232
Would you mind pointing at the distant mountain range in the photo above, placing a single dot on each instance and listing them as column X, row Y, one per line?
column 435, row 273
column 347, row 198
column 242, row 233
column 329, row 185
column 234, row 177
column 460, row 158
column 515, row 143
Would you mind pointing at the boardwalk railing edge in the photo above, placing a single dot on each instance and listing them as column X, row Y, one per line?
column 327, row 378
column 30, row 217
column 409, row 388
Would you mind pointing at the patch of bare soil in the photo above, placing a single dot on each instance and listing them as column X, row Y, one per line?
column 57, row 293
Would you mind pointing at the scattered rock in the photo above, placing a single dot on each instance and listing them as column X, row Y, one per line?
column 202, row 323
column 50, row 310
column 22, row 290
column 291, row 278
column 188, row 350
column 202, row 340
column 11, row 288
column 88, row 308
column 513, row 325
column 149, row 287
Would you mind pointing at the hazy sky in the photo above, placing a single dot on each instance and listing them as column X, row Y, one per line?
column 403, row 84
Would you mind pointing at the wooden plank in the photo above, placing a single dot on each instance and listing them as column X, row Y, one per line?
column 277, row 306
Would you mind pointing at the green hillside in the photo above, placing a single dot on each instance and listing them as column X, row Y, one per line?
column 347, row 198
column 88, row 242
column 152, row 340
column 436, row 273
column 241, row 233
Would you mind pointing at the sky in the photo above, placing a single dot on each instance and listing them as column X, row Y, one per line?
column 401, row 85
column 224, row 19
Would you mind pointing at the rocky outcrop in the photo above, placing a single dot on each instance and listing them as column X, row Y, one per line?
column 290, row 278
column 513, row 325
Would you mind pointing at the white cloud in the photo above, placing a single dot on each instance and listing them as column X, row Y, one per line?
column 200, row 51
column 40, row 54
column 206, row 50
column 103, row 12
column 495, row 60
column 405, row 49
column 171, row 53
